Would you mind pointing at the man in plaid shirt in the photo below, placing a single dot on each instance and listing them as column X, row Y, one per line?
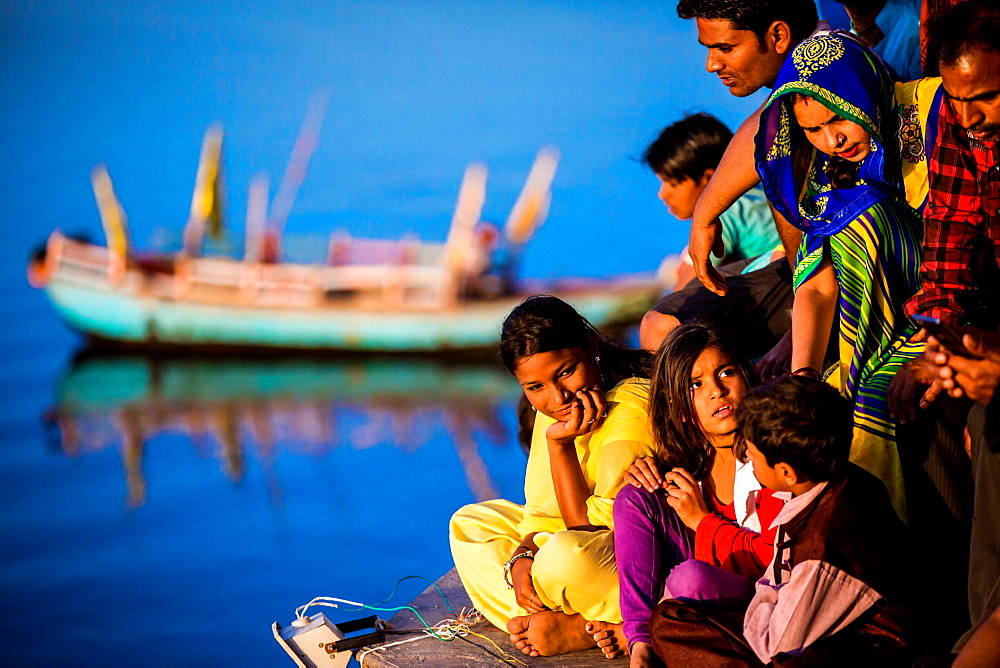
column 962, row 216
column 960, row 283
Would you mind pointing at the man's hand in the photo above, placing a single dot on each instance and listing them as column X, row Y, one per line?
column 974, row 378
column 778, row 360
column 707, row 239
column 904, row 387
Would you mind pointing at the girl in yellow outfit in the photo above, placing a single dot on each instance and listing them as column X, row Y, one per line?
column 545, row 568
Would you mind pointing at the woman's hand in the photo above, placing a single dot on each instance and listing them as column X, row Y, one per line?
column 685, row 497
column 644, row 472
column 586, row 415
column 524, row 586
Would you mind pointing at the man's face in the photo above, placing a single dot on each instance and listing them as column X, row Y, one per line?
column 972, row 87
column 738, row 58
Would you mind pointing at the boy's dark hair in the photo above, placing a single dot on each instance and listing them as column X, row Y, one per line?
column 685, row 149
column 802, row 422
column 971, row 27
column 755, row 15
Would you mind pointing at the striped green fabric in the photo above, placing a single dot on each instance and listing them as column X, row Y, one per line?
column 876, row 258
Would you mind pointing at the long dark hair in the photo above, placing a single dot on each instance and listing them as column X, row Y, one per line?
column 543, row 323
column 673, row 421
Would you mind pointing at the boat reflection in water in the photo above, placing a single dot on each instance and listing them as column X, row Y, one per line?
column 300, row 405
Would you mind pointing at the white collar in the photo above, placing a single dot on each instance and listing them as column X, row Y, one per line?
column 794, row 504
column 744, row 486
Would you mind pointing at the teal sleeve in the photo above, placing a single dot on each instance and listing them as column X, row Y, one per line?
column 748, row 228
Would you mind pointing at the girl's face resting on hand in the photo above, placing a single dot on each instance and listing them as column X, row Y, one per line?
column 830, row 133
column 550, row 380
column 716, row 389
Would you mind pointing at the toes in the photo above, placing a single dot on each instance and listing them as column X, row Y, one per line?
column 517, row 626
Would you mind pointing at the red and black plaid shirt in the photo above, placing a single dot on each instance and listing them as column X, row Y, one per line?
column 962, row 216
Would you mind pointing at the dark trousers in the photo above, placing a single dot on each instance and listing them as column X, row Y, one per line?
column 699, row 633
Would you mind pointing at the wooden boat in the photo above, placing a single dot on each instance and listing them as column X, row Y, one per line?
column 221, row 302
column 370, row 295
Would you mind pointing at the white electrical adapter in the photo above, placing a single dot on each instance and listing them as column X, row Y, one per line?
column 316, row 642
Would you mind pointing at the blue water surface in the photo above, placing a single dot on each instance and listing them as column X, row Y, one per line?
column 165, row 513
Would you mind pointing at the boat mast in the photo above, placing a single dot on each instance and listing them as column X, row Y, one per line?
column 529, row 212
column 114, row 222
column 206, row 203
column 295, row 173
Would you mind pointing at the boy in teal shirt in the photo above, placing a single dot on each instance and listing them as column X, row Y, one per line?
column 684, row 157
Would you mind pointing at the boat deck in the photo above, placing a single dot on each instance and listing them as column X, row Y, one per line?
column 470, row 651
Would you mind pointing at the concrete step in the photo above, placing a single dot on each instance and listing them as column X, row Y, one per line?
column 470, row 651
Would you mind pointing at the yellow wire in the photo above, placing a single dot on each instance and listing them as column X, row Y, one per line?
column 504, row 653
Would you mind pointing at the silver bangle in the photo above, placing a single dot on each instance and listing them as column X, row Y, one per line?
column 509, row 564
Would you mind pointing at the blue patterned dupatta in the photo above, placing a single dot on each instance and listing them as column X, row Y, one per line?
column 848, row 79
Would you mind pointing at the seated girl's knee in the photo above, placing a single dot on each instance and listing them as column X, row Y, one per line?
column 635, row 500
column 465, row 517
column 697, row 580
column 691, row 569
column 558, row 554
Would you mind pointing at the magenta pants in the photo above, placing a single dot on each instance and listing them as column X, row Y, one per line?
column 654, row 552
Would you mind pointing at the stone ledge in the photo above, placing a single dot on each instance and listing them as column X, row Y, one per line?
column 475, row 652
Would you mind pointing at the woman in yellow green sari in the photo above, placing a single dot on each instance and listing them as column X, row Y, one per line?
column 832, row 163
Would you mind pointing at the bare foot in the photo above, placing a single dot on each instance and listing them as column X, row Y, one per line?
column 549, row 632
column 609, row 638
column 643, row 656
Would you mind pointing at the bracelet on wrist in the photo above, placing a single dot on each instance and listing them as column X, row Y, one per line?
column 509, row 564
column 806, row 371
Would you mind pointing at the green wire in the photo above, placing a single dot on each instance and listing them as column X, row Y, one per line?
column 412, row 609
column 419, row 577
column 423, row 621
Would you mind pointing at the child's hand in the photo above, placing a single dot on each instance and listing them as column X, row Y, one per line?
column 587, row 415
column 645, row 473
column 685, row 497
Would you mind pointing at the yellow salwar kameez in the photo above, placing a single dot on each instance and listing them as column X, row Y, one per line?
column 573, row 571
